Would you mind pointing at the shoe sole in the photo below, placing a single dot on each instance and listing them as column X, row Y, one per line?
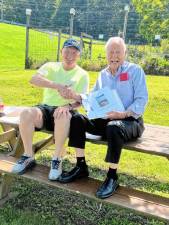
column 30, row 166
column 54, row 179
column 76, row 178
column 108, row 195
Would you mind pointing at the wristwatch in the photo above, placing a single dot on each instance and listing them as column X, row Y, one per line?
column 128, row 114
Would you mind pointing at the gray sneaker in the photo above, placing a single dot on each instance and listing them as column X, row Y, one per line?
column 23, row 164
column 55, row 170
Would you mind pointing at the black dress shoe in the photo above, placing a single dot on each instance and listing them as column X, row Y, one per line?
column 108, row 188
column 76, row 173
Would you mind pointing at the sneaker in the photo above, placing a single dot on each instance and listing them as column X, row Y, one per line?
column 23, row 164
column 55, row 170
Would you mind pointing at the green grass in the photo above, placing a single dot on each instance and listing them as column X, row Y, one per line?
column 143, row 172
column 15, row 86
column 12, row 42
column 38, row 204
column 42, row 47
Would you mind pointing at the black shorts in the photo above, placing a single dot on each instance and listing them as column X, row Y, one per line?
column 48, row 119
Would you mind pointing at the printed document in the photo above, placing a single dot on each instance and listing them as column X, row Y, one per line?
column 99, row 103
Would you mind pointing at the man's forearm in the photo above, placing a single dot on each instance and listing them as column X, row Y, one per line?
column 130, row 114
column 41, row 81
column 78, row 98
column 74, row 105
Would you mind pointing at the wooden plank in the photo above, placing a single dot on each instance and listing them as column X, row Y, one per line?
column 18, row 148
column 7, row 135
column 5, row 184
column 145, row 203
column 6, row 128
column 155, row 139
column 84, row 35
column 143, row 145
column 10, row 121
column 40, row 145
column 7, row 198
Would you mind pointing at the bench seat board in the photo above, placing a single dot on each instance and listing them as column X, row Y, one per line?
column 142, row 202
column 155, row 139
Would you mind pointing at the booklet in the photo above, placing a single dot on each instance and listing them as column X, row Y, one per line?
column 99, row 103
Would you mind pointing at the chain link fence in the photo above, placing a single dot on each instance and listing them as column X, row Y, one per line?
column 44, row 44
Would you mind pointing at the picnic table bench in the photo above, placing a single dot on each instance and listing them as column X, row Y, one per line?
column 155, row 141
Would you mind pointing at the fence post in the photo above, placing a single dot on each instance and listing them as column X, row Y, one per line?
column 91, row 43
column 58, row 48
column 2, row 10
column 81, row 44
column 28, row 15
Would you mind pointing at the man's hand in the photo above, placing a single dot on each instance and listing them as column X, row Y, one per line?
column 116, row 115
column 62, row 111
column 61, row 88
column 69, row 93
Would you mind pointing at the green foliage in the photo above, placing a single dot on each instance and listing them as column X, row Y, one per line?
column 92, row 16
column 165, row 46
column 156, row 65
column 153, row 59
column 154, row 18
column 43, row 48
column 93, row 65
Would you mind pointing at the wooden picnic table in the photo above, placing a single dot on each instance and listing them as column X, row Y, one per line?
column 9, row 122
column 155, row 141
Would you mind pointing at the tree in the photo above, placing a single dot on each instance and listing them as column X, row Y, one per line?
column 154, row 17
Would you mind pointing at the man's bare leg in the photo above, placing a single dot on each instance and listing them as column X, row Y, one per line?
column 61, row 132
column 29, row 119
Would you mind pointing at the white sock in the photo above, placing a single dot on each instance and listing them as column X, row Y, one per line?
column 56, row 158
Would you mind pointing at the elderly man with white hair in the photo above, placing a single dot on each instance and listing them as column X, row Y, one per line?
column 128, row 79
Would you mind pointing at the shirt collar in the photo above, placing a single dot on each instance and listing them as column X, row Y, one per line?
column 120, row 69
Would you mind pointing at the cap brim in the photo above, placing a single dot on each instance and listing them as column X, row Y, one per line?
column 72, row 46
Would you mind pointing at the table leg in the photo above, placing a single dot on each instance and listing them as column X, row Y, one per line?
column 5, row 184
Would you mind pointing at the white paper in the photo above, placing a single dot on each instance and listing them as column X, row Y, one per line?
column 99, row 103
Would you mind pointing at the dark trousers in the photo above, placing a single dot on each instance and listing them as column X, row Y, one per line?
column 116, row 132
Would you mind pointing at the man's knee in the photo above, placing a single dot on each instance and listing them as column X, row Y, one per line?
column 77, row 119
column 113, row 129
column 63, row 119
column 28, row 115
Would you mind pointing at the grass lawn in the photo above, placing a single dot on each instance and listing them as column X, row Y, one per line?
column 42, row 47
column 39, row 204
column 12, row 42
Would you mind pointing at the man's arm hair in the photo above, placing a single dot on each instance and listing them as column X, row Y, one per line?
column 40, row 81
